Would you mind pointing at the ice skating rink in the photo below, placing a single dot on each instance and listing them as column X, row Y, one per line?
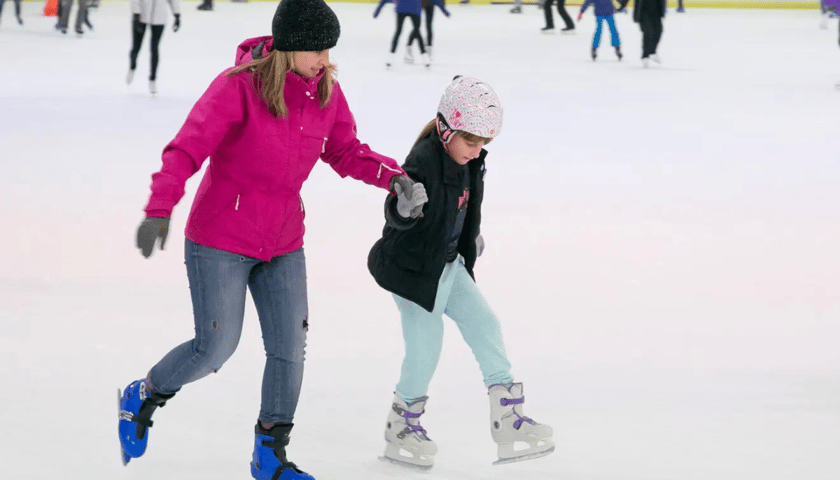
column 662, row 250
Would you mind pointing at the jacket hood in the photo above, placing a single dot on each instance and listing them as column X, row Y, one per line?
column 245, row 50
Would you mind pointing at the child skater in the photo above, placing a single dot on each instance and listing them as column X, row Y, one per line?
column 604, row 10
column 429, row 10
column 406, row 9
column 149, row 12
column 425, row 258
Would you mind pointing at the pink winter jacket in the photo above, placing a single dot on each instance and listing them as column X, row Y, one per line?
column 249, row 199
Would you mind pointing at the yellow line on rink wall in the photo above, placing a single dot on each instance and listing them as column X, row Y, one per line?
column 689, row 4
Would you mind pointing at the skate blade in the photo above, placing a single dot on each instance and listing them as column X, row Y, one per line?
column 521, row 458
column 125, row 458
column 412, row 466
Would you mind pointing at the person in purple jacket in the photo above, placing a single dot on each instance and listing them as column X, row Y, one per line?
column 604, row 10
column 263, row 124
column 407, row 9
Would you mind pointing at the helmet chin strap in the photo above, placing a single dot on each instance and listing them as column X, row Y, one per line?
column 444, row 132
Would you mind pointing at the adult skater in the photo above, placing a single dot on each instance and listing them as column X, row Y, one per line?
column 425, row 258
column 549, row 18
column 429, row 10
column 17, row 11
column 153, row 13
column 264, row 124
column 648, row 14
column 405, row 9
column 604, row 10
column 81, row 16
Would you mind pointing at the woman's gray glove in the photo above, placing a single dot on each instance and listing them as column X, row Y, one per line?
column 411, row 196
column 152, row 228
column 479, row 245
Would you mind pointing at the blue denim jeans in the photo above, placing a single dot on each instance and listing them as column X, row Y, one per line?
column 218, row 281
column 459, row 298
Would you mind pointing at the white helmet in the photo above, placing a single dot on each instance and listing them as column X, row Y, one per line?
column 471, row 106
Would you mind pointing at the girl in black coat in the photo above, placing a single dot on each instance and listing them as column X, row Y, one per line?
column 426, row 259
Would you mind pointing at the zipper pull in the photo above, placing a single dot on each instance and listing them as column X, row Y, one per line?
column 324, row 145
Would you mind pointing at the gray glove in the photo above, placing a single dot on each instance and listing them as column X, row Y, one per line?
column 152, row 228
column 479, row 245
column 411, row 196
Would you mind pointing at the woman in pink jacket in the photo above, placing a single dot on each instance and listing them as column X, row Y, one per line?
column 263, row 124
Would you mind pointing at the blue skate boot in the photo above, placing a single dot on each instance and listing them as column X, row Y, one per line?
column 269, row 459
column 137, row 403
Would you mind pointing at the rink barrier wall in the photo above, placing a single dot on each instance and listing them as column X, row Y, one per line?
column 689, row 4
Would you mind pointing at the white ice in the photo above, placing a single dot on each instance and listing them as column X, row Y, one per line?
column 662, row 250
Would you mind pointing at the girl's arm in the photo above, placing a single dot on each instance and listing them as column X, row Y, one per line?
column 379, row 7
column 214, row 114
column 442, row 7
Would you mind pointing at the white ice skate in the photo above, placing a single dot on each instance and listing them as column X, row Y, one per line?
column 129, row 77
column 392, row 59
column 406, row 441
column 409, row 55
column 655, row 57
column 824, row 21
column 519, row 438
column 152, row 86
column 427, row 61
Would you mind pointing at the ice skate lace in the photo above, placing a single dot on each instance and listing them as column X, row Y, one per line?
column 410, row 428
column 519, row 418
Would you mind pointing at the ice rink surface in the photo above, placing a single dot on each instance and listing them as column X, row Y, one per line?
column 662, row 250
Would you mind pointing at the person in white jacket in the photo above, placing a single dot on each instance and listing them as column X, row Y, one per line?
column 150, row 12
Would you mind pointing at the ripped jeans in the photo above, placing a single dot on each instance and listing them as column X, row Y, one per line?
column 218, row 281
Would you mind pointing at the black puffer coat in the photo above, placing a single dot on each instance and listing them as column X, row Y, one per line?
column 409, row 258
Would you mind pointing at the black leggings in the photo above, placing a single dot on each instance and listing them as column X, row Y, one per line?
column 415, row 32
column 429, row 10
column 651, row 24
column 17, row 7
column 561, row 9
column 157, row 32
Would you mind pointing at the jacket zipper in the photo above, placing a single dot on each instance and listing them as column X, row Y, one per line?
column 236, row 207
column 324, row 145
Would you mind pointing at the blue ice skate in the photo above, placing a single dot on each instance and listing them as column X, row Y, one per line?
column 269, row 459
column 137, row 404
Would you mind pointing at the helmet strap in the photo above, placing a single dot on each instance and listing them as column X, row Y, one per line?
column 444, row 131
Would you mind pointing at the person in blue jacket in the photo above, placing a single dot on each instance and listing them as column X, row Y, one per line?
column 429, row 10
column 604, row 10
column 406, row 9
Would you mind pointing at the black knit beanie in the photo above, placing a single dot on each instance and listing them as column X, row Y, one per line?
column 304, row 26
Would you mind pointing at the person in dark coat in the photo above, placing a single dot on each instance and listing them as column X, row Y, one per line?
column 648, row 14
column 426, row 258
column 549, row 18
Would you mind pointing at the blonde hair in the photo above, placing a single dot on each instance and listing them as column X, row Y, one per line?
column 270, row 77
column 469, row 137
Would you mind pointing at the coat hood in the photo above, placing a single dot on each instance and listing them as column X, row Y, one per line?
column 245, row 50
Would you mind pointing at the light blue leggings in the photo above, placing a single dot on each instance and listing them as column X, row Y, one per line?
column 596, row 40
column 459, row 298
